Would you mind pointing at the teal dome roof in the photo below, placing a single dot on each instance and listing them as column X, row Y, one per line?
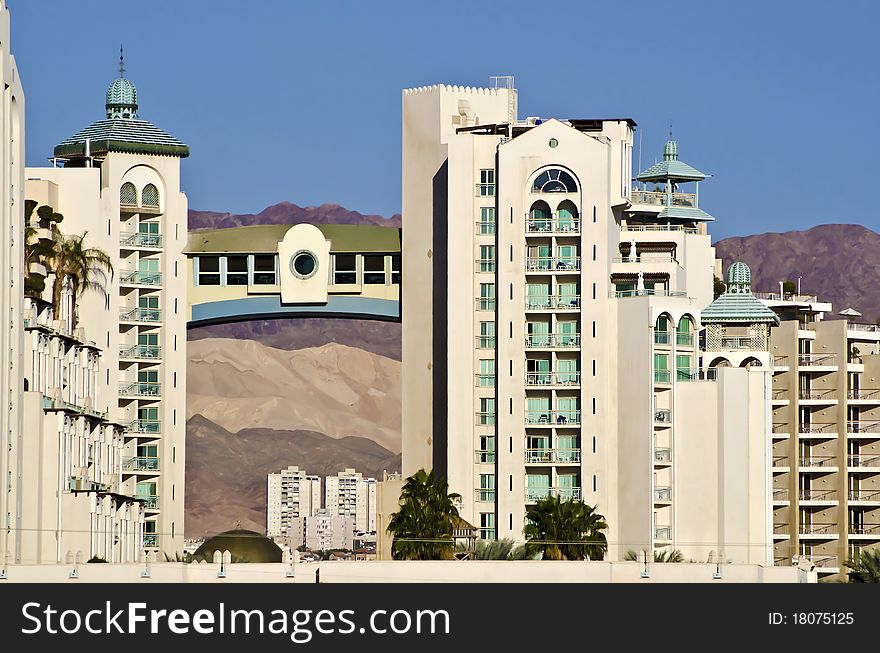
column 739, row 274
column 122, row 99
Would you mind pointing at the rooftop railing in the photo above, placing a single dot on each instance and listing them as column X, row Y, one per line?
column 786, row 297
column 659, row 198
column 660, row 227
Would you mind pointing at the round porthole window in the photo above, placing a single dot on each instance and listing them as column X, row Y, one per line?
column 553, row 142
column 304, row 264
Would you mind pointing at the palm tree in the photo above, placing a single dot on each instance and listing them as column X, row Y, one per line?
column 864, row 568
column 422, row 528
column 566, row 530
column 673, row 555
column 36, row 250
column 85, row 267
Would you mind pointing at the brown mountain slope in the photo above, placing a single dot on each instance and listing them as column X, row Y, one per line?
column 837, row 262
column 382, row 338
column 288, row 213
column 226, row 472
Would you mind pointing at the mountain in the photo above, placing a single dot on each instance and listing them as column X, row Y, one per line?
column 837, row 262
column 382, row 338
column 288, row 213
column 333, row 389
column 226, row 472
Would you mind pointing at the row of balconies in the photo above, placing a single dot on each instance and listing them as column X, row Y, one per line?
column 681, row 339
column 536, row 418
column 538, row 341
column 782, row 495
column 781, row 463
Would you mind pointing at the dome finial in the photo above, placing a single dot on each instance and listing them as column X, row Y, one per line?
column 121, row 63
column 739, row 279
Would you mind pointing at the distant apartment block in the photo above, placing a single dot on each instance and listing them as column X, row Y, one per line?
column 324, row 531
column 292, row 495
column 349, row 494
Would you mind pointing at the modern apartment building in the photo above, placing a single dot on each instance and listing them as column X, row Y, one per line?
column 118, row 180
column 349, row 494
column 826, row 434
column 552, row 315
column 324, row 531
column 292, row 495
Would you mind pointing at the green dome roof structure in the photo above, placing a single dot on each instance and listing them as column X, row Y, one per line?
column 122, row 99
column 244, row 545
column 737, row 305
column 670, row 168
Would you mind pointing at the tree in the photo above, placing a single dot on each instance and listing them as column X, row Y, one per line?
column 566, row 530
column 86, row 267
column 789, row 288
column 36, row 250
column 422, row 528
column 718, row 287
column 672, row 555
column 864, row 568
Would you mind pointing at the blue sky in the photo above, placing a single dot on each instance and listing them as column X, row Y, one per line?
column 300, row 100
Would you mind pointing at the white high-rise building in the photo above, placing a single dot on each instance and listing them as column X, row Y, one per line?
column 552, row 316
column 292, row 495
column 349, row 494
column 324, row 531
column 118, row 180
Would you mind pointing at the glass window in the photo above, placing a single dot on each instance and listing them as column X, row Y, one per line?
column 486, row 225
column 264, row 270
column 395, row 269
column 486, row 416
column 147, row 451
column 487, row 297
column 148, row 301
column 486, row 187
column 683, row 367
column 150, row 196
column 344, row 268
column 487, row 488
column 486, row 377
column 374, row 269
column 554, row 181
column 209, row 270
column 486, row 262
column 486, row 339
column 128, row 194
column 487, row 449
column 236, row 270
column 487, row 526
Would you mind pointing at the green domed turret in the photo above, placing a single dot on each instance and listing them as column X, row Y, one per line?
column 122, row 99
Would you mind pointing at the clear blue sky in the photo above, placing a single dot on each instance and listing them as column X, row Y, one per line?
column 298, row 100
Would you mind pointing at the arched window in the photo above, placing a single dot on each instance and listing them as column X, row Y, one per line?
column 554, row 181
column 720, row 362
column 751, row 361
column 685, row 332
column 662, row 329
column 128, row 194
column 539, row 217
column 150, row 196
column 567, row 216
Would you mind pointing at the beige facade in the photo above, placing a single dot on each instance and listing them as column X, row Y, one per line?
column 551, row 317
column 349, row 494
column 292, row 494
column 324, row 531
column 826, row 435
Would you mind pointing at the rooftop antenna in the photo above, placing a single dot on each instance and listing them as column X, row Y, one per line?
column 121, row 62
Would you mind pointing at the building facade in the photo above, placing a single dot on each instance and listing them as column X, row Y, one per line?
column 292, row 495
column 552, row 314
column 324, row 531
column 349, row 494
column 118, row 181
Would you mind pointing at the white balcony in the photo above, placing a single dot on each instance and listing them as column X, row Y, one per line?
column 145, row 426
column 553, row 341
column 552, row 456
column 543, row 226
column 140, row 241
column 140, row 315
column 550, row 265
column 151, row 390
column 552, row 379
column 140, row 278
column 553, row 417
column 660, row 227
column 564, row 493
column 553, row 303
column 140, row 352
column 662, row 495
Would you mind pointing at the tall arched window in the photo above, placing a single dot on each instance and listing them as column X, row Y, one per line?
column 685, row 334
column 128, row 194
column 554, row 181
column 539, row 217
column 150, row 196
column 661, row 330
column 567, row 216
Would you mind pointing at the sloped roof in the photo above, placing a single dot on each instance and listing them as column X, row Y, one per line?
column 735, row 307
column 684, row 213
column 671, row 169
column 122, row 135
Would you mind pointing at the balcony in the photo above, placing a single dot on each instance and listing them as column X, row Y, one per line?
column 484, row 456
column 818, row 396
column 485, row 342
column 870, row 530
column 553, row 341
column 817, row 360
column 646, row 292
column 864, row 496
column 140, row 315
column 660, row 227
column 138, row 278
column 696, row 374
column 662, row 338
column 542, row 379
column 737, row 342
column 780, row 495
column 141, row 352
column 140, row 240
column 662, row 456
column 60, row 404
column 826, row 564
column 485, row 265
column 660, row 199
column 781, row 431
column 662, row 416
column 534, row 494
column 684, row 339
column 779, row 396
column 780, row 363
column 147, row 426
column 140, row 465
column 866, row 396
column 662, row 494
column 663, row 533
column 787, row 297
column 552, row 456
column 780, row 532
column 780, row 464
column 484, row 380
column 151, row 541
column 818, row 463
column 141, row 389
column 818, row 496
column 864, row 462
column 817, row 431
column 553, row 417
column 485, row 303
column 541, row 226
column 485, row 190
column 822, row 531
column 150, row 502
column 485, row 494
column 548, row 265
column 662, row 376
column 863, row 429
column 553, row 302
column 485, row 419
column 485, row 228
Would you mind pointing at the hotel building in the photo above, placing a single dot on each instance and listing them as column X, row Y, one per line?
column 552, row 320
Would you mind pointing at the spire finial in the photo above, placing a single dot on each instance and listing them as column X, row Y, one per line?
column 121, row 62
column 670, row 130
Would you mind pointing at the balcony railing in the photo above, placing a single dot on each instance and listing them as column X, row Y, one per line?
column 662, row 494
column 485, row 228
column 645, row 257
column 662, row 376
column 662, row 455
column 151, row 540
column 780, row 529
column 817, row 495
column 60, row 404
column 863, row 394
column 663, row 415
column 557, row 417
column 138, row 277
column 780, row 494
column 484, row 380
column 140, row 315
column 647, row 292
column 485, row 419
column 662, row 338
column 815, row 360
column 786, row 297
column 780, row 361
column 485, row 190
column 817, row 529
column 150, row 502
column 485, row 264
column 141, row 352
column 866, row 529
column 552, row 378
column 553, row 302
column 485, row 342
column 736, row 342
column 780, row 461
column 550, row 226
column 818, row 461
column 140, row 464
column 553, row 456
column 861, row 426
column 485, row 456
column 140, row 240
column 662, row 532
column 778, row 395
column 660, row 227
column 817, row 395
column 485, row 303
column 684, row 339
column 655, row 198
column 873, row 328
column 863, row 460
column 564, row 493
column 485, row 494
column 696, row 374
column 141, row 389
column 781, row 427
column 151, row 426
column 864, row 495
column 553, row 264
column 812, row 429
column 553, row 340
column 821, row 561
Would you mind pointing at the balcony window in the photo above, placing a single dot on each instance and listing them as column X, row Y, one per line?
column 683, row 367
column 537, row 486
column 486, row 262
column 486, row 225
column 344, row 269
column 486, row 416
column 487, row 449
column 487, row 488
column 128, row 194
column 209, row 270
column 540, row 218
column 487, row 525
column 236, row 271
column 374, row 269
column 486, row 339
column 150, row 196
column 264, row 270
column 685, row 332
column 486, row 377
column 566, row 217
column 486, row 302
column 486, row 187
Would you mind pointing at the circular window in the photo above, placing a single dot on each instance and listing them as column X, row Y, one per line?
column 304, row 264
column 553, row 142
